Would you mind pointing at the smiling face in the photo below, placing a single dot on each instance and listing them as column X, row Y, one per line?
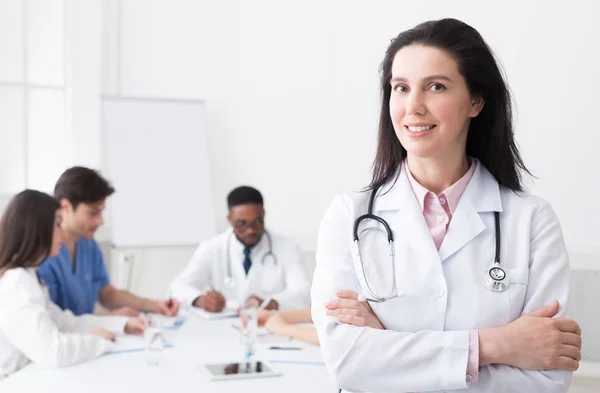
column 430, row 103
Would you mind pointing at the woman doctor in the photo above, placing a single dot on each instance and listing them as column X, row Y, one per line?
column 32, row 328
column 468, row 287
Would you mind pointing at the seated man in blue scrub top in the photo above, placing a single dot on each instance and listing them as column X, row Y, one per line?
column 77, row 277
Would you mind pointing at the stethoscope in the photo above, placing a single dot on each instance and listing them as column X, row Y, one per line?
column 494, row 279
column 229, row 281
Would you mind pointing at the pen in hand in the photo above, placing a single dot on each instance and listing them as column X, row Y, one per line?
column 170, row 302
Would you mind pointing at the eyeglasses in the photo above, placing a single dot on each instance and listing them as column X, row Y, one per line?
column 242, row 225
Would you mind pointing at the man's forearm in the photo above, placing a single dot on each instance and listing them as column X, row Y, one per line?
column 119, row 298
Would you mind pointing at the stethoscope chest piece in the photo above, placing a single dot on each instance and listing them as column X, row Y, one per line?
column 495, row 279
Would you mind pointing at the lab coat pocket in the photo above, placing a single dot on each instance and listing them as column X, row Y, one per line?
column 519, row 278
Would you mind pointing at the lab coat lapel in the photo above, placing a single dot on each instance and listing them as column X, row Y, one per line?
column 481, row 195
column 408, row 223
column 464, row 227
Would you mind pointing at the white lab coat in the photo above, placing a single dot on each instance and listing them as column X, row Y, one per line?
column 286, row 281
column 426, row 344
column 33, row 329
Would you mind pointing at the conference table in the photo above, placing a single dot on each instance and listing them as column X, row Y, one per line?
column 195, row 342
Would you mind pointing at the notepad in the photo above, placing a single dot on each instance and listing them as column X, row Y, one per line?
column 201, row 313
column 130, row 343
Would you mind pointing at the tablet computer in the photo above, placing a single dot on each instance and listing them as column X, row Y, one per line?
column 237, row 370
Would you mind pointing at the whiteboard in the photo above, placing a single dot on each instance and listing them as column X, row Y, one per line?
column 156, row 157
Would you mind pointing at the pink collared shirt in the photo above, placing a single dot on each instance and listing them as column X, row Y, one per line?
column 438, row 211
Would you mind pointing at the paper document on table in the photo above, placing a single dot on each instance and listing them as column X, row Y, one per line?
column 130, row 343
column 201, row 313
column 166, row 322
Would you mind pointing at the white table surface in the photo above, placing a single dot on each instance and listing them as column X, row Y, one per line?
column 196, row 341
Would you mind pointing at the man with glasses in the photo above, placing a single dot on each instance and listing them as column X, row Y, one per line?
column 245, row 263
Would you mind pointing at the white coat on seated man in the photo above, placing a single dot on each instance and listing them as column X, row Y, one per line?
column 243, row 263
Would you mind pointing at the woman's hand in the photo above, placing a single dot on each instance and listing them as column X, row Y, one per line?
column 275, row 324
column 103, row 333
column 535, row 341
column 264, row 316
column 352, row 312
column 135, row 325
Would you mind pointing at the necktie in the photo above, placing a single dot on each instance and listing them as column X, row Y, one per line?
column 247, row 261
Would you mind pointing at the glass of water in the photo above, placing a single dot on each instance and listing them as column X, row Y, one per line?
column 249, row 325
column 155, row 344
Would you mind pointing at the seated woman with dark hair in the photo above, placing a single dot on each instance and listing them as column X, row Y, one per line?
column 32, row 328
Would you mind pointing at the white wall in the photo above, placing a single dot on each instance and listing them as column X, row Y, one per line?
column 84, row 29
column 292, row 95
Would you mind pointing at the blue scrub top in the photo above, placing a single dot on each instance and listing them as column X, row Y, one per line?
column 75, row 290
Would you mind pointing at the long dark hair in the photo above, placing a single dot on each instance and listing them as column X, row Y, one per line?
column 26, row 229
column 490, row 138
